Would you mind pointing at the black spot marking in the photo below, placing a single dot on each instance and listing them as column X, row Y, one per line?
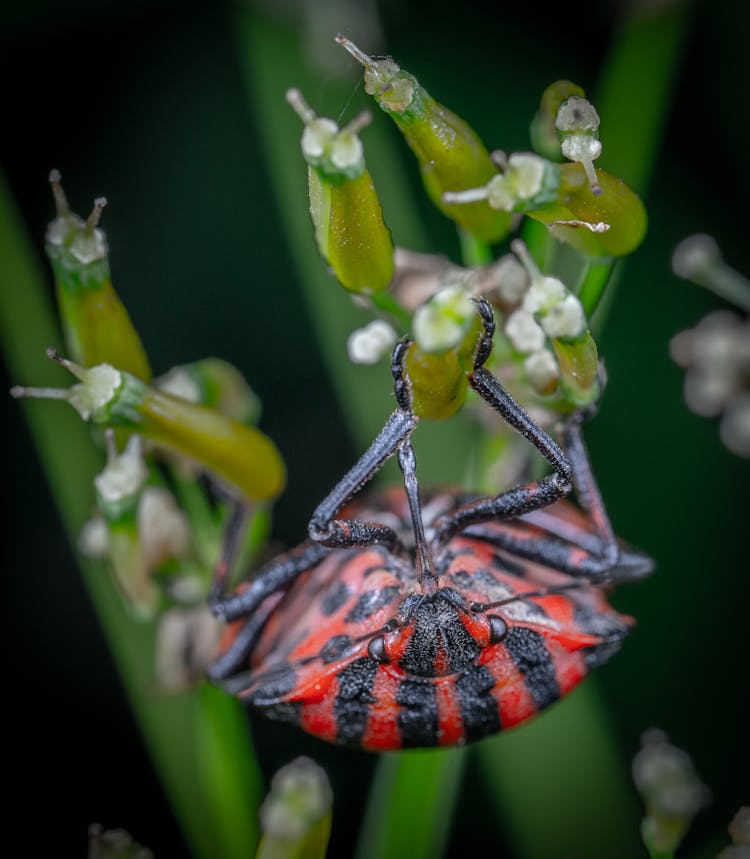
column 271, row 686
column 461, row 579
column 479, row 709
column 371, row 602
column 335, row 648
column 352, row 705
column 529, row 652
column 418, row 717
column 335, row 598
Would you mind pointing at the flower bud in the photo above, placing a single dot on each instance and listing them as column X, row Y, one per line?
column 346, row 212
column 542, row 371
column 296, row 815
column 96, row 324
column 118, row 491
column 578, row 124
column 215, row 383
column 527, row 182
column 545, row 137
column 186, row 642
column 238, row 454
column 671, row 790
column 438, row 378
column 369, row 344
column 451, row 156
column 561, row 318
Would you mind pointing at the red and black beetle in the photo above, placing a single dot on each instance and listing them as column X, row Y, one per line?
column 432, row 622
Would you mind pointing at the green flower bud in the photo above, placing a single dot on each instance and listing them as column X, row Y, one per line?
column 118, row 492
column 671, row 790
column 216, row 383
column 347, row 216
column 550, row 310
column 240, row 455
column 527, row 182
column 446, row 332
column 96, row 324
column 296, row 815
column 451, row 156
column 545, row 137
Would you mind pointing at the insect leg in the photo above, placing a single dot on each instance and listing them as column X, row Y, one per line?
column 522, row 499
column 273, row 576
column 324, row 527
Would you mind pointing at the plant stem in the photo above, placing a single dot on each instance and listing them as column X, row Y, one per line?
column 203, row 784
column 474, row 252
column 411, row 805
column 593, row 283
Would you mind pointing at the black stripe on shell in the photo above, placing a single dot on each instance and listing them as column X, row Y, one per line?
column 479, row 709
column 372, row 601
column 418, row 716
column 353, row 699
column 533, row 660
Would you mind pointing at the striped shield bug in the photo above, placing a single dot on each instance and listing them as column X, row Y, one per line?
column 437, row 620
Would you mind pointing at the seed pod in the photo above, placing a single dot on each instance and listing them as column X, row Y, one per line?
column 216, row 383
column 97, row 326
column 241, row 455
column 446, row 330
column 347, row 216
column 607, row 224
column 451, row 156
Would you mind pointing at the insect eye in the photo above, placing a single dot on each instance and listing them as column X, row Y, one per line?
column 376, row 649
column 498, row 628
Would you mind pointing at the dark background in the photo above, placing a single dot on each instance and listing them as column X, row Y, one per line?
column 144, row 102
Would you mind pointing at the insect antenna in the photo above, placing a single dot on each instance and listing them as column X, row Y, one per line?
column 544, row 592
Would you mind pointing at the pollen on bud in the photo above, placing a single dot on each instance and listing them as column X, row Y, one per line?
column 578, row 124
column 442, row 322
column 369, row 344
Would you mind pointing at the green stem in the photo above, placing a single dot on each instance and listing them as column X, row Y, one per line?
column 171, row 726
column 387, row 303
column 474, row 252
column 411, row 805
column 593, row 284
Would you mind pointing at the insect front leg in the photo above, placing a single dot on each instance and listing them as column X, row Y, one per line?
column 324, row 527
column 523, row 499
